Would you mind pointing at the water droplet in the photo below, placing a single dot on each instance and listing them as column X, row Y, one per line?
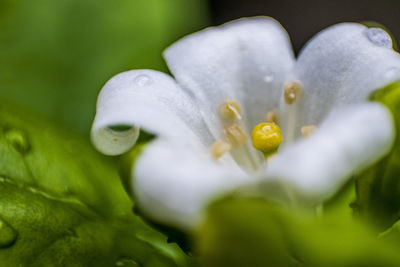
column 268, row 78
column 379, row 37
column 142, row 80
column 392, row 73
column 8, row 235
column 127, row 262
column 18, row 139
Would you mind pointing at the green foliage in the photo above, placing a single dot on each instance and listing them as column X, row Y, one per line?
column 392, row 234
column 63, row 204
column 253, row 232
column 378, row 188
column 56, row 55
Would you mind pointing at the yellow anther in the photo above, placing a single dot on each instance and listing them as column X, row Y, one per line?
column 308, row 130
column 272, row 116
column 230, row 110
column 236, row 135
column 219, row 148
column 292, row 92
column 266, row 137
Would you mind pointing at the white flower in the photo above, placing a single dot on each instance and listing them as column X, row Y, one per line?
column 248, row 68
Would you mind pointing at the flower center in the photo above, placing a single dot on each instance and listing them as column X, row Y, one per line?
column 236, row 138
column 266, row 137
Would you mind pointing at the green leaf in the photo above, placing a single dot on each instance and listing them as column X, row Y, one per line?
column 253, row 232
column 63, row 204
column 340, row 204
column 392, row 234
column 56, row 55
column 378, row 188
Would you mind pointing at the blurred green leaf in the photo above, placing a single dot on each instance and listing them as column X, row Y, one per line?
column 253, row 232
column 63, row 204
column 392, row 234
column 56, row 55
column 378, row 188
column 340, row 205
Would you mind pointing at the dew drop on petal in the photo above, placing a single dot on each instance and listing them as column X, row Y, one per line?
column 379, row 37
column 142, row 80
column 268, row 78
column 392, row 73
column 8, row 235
column 127, row 262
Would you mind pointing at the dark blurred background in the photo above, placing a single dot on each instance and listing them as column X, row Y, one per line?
column 303, row 18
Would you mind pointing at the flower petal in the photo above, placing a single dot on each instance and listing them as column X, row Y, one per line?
column 342, row 65
column 173, row 182
column 349, row 140
column 246, row 60
column 148, row 99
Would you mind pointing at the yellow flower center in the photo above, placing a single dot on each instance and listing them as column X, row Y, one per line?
column 266, row 137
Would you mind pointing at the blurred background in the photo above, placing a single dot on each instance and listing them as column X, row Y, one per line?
column 56, row 55
column 303, row 19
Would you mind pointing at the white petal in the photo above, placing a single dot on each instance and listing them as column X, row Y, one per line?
column 342, row 65
column 173, row 182
column 246, row 60
column 349, row 140
column 148, row 99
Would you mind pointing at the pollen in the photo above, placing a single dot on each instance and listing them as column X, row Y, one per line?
column 266, row 137
column 236, row 135
column 292, row 92
column 272, row 116
column 308, row 130
column 219, row 148
column 230, row 110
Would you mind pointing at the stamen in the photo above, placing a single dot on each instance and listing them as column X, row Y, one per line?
column 236, row 135
column 272, row 116
column 230, row 110
column 219, row 148
column 266, row 137
column 308, row 130
column 292, row 92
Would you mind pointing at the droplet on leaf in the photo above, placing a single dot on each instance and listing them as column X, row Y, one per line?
column 19, row 140
column 8, row 235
